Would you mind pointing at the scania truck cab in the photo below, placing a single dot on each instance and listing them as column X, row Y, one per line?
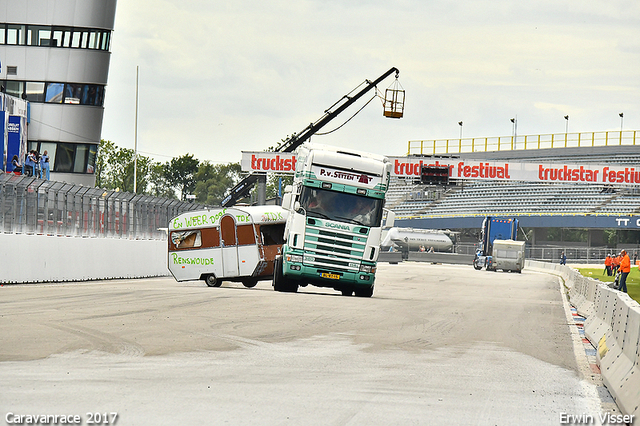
column 333, row 230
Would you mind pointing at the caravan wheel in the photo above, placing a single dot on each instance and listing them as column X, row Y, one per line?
column 212, row 281
column 249, row 282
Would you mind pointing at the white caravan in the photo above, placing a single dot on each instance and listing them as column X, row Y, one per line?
column 232, row 244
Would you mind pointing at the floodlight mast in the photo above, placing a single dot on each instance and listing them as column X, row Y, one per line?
column 244, row 186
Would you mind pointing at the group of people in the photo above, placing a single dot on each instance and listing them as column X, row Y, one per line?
column 622, row 263
column 34, row 165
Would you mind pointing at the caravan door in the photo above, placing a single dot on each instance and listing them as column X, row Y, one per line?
column 229, row 244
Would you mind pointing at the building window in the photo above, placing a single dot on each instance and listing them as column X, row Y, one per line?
column 73, row 93
column 54, row 93
column 38, row 35
column 43, row 35
column 68, row 157
column 14, row 88
column 35, row 91
column 76, row 36
column 16, row 34
column 64, row 158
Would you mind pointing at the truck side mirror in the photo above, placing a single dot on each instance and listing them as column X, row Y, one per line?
column 286, row 200
column 391, row 218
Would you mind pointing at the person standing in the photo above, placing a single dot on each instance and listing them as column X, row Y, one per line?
column 29, row 164
column 625, row 268
column 607, row 265
column 44, row 166
column 563, row 259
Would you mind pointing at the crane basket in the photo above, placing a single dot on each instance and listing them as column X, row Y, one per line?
column 393, row 102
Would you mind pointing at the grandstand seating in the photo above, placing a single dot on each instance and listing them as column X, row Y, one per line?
column 482, row 197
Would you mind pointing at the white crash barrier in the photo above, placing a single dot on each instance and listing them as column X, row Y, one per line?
column 598, row 324
column 612, row 325
column 42, row 258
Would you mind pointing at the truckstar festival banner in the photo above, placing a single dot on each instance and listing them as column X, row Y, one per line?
column 520, row 171
column 410, row 167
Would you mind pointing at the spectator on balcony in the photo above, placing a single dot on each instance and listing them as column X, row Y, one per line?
column 17, row 168
column 44, row 166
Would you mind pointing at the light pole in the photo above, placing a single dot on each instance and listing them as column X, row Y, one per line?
column 566, row 128
column 460, row 123
column 621, row 120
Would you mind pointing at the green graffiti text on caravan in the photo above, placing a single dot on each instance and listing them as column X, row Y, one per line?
column 178, row 260
column 197, row 220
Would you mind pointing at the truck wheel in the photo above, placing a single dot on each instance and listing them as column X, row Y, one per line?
column 368, row 292
column 280, row 282
column 476, row 264
column 212, row 281
column 249, row 282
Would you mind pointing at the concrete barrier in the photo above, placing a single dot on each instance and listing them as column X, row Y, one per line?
column 451, row 258
column 391, row 257
column 41, row 258
column 612, row 325
column 597, row 325
column 627, row 393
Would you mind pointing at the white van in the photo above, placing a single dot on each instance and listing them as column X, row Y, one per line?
column 508, row 255
column 232, row 244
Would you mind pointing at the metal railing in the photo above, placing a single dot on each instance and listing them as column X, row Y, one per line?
column 522, row 142
column 34, row 206
column 594, row 255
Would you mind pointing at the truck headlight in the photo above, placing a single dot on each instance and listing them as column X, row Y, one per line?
column 294, row 258
column 368, row 269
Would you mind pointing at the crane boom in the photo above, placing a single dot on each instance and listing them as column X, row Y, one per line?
column 244, row 186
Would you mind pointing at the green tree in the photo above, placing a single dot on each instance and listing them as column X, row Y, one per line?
column 273, row 183
column 103, row 160
column 114, row 168
column 214, row 180
column 180, row 173
column 158, row 185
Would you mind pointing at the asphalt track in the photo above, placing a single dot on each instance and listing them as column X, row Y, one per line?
column 437, row 344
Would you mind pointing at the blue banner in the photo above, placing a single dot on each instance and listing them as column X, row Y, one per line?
column 13, row 141
column 4, row 141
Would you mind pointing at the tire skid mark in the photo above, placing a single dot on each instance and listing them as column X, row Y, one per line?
column 103, row 341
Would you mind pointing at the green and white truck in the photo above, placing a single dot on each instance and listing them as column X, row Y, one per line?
column 333, row 230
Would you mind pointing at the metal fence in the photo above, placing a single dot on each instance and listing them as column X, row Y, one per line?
column 595, row 255
column 34, row 206
column 520, row 142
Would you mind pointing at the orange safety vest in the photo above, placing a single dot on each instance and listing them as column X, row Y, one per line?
column 607, row 261
column 625, row 264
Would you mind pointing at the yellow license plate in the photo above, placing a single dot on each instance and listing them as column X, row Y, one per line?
column 330, row 276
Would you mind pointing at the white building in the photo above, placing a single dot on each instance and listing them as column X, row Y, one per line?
column 55, row 54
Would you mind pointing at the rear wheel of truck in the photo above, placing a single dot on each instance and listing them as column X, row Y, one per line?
column 249, row 282
column 280, row 282
column 212, row 281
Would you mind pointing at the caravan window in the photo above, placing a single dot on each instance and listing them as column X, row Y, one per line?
column 186, row 239
column 272, row 234
column 245, row 235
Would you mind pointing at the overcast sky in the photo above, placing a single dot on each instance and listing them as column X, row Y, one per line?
column 220, row 77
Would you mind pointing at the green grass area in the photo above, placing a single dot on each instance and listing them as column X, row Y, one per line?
column 633, row 280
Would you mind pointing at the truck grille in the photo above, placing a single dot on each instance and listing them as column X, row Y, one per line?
column 338, row 250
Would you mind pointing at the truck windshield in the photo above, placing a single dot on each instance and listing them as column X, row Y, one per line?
column 341, row 207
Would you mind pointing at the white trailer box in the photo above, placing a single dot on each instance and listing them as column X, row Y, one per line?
column 508, row 255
